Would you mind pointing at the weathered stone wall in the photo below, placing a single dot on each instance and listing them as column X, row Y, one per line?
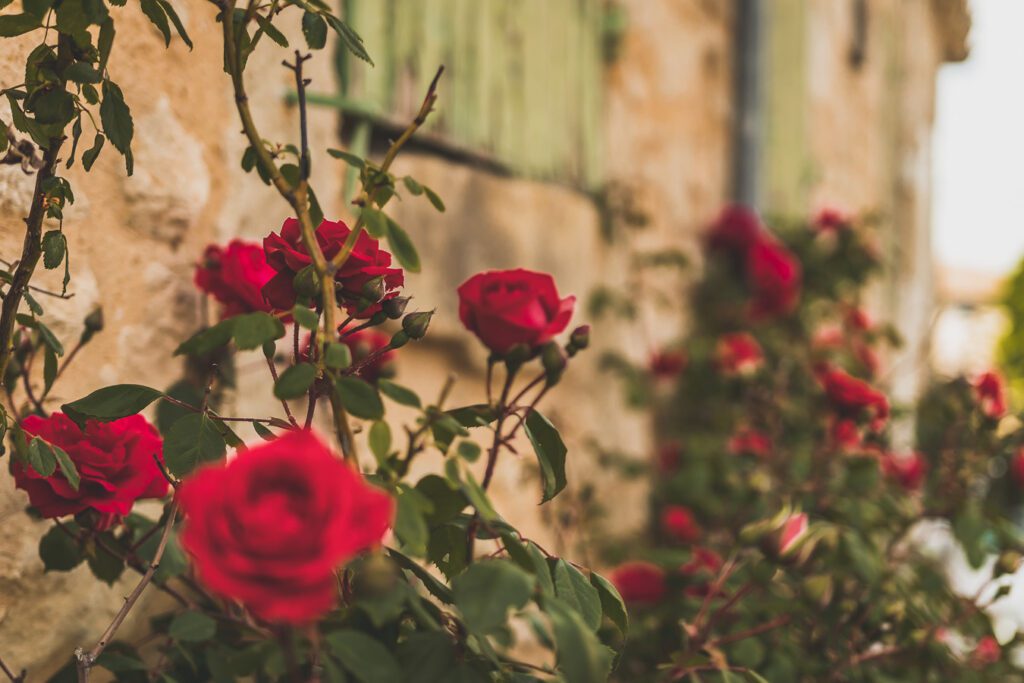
column 667, row 141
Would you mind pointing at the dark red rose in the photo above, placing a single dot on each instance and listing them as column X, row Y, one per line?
column 747, row 441
column 235, row 277
column 287, row 255
column 365, row 343
column 908, row 470
column 991, row 397
column 986, row 652
column 669, row 456
column 639, row 582
column 701, row 571
column 1017, row 466
column 270, row 527
column 773, row 275
column 735, row 230
column 666, row 364
column 830, row 219
column 852, row 397
column 677, row 523
column 115, row 460
column 846, row 435
column 504, row 308
column 739, row 354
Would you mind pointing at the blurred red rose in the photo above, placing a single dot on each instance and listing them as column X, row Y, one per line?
column 908, row 470
column 669, row 456
column 639, row 582
column 116, row 462
column 851, row 397
column 986, row 652
column 858, row 319
column 748, row 441
column 270, row 527
column 701, row 570
column 287, row 255
column 1017, row 466
column 364, row 344
column 846, row 435
column 736, row 228
column 773, row 274
column 830, row 219
column 505, row 308
column 235, row 277
column 991, row 397
column 739, row 354
column 666, row 364
column 677, row 523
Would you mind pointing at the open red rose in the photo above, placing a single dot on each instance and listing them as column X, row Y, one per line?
column 773, row 275
column 639, row 582
column 235, row 277
column 287, row 255
column 116, row 462
column 991, row 397
column 270, row 527
column 735, row 230
column 908, row 470
column 851, row 397
column 739, row 354
column 677, row 523
column 504, row 308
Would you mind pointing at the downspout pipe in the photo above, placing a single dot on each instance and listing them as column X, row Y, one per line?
column 747, row 81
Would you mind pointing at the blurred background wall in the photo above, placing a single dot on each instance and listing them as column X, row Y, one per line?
column 562, row 125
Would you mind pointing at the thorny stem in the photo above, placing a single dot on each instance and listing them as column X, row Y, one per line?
column 492, row 458
column 19, row 678
column 86, row 660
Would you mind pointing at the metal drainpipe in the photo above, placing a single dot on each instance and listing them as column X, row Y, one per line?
column 746, row 143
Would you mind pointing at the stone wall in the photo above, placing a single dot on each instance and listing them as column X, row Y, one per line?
column 667, row 141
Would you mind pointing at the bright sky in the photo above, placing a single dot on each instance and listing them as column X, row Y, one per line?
column 979, row 145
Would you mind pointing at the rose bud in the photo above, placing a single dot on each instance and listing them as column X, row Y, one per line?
column 739, row 354
column 505, row 308
column 793, row 530
column 639, row 582
column 374, row 289
column 93, row 323
column 986, row 652
column 578, row 340
column 988, row 390
column 554, row 361
column 306, row 283
column 415, row 324
column 678, row 524
column 399, row 339
column 394, row 308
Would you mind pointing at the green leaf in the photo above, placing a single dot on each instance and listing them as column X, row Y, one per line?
column 350, row 159
column 380, row 440
column 155, row 13
column 375, row 221
column 104, row 43
column 468, row 451
column 192, row 627
column 487, row 591
column 89, row 156
column 15, row 24
column 58, row 551
column 434, row 199
column 110, row 403
column 263, row 432
column 251, row 330
column 41, row 458
column 193, row 440
column 360, row 398
column 305, row 317
column 433, row 586
column 337, row 356
column 50, row 339
column 49, row 368
column 104, row 566
column 117, row 120
column 364, row 657
column 83, row 72
column 414, row 187
column 33, row 306
column 178, row 26
column 581, row 656
column 426, row 657
column 350, row 38
column 399, row 394
column 612, row 604
column 67, row 466
column 205, row 341
column 547, row 444
column 314, row 28
column 295, row 381
column 271, row 30
column 54, row 246
column 576, row 591
column 410, row 525
column 478, row 415
column 402, row 247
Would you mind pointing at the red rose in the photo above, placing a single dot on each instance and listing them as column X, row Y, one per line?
column 739, row 354
column 702, row 568
column 639, row 582
column 235, row 277
column 116, row 462
column 666, row 364
column 830, row 219
column 907, row 470
column 858, row 319
column 773, row 274
column 677, row 523
column 988, row 389
column 270, row 527
column 287, row 255
column 504, row 308
column 986, row 652
column 828, row 337
column 846, row 435
column 365, row 343
column 851, row 396
column 735, row 230
column 747, row 441
column 669, row 457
